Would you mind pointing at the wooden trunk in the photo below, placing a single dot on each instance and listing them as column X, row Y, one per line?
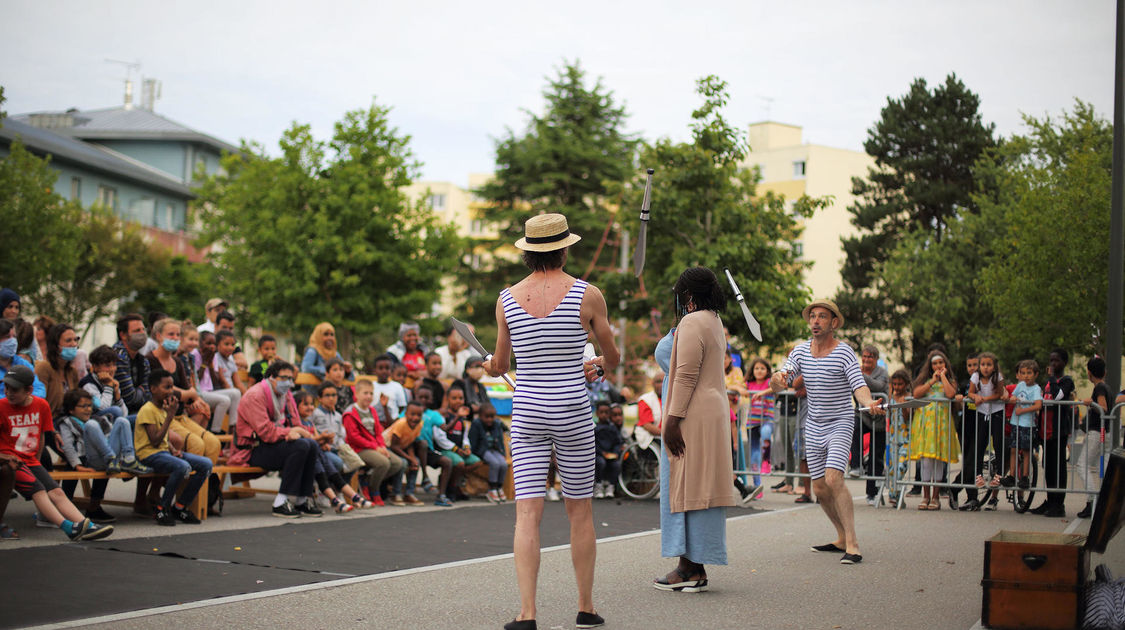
column 1034, row 580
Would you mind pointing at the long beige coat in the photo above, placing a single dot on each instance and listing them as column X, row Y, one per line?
column 697, row 392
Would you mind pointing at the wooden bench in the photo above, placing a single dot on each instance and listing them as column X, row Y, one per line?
column 197, row 507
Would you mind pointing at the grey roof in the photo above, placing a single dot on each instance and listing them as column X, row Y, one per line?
column 66, row 149
column 118, row 123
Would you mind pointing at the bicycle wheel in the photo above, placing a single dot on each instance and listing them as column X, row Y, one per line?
column 640, row 472
column 1022, row 498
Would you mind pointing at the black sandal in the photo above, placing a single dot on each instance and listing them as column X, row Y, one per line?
column 688, row 585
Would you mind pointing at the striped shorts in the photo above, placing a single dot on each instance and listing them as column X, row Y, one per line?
column 828, row 445
column 572, row 441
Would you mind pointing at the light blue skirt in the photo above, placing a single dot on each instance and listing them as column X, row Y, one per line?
column 698, row 535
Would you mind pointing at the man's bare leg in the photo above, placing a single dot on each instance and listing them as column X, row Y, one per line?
column 529, row 513
column 828, row 504
column 845, row 511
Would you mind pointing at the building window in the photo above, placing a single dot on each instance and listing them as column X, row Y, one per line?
column 143, row 211
column 799, row 169
column 437, row 202
column 476, row 227
column 107, row 197
column 798, row 249
column 76, row 189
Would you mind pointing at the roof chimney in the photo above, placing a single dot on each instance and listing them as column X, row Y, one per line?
column 128, row 94
column 150, row 91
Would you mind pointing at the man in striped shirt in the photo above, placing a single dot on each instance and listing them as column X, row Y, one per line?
column 831, row 373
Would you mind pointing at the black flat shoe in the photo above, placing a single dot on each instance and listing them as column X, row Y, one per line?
column 829, row 548
column 1042, row 509
column 588, row 620
column 851, row 558
column 526, row 624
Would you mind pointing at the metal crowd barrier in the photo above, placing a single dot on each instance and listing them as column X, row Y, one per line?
column 888, row 478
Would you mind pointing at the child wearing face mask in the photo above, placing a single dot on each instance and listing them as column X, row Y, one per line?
column 9, row 358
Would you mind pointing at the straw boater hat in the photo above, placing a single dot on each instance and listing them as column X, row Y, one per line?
column 546, row 233
column 828, row 304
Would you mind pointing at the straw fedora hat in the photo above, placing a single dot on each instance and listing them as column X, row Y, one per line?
column 546, row 233
column 828, row 304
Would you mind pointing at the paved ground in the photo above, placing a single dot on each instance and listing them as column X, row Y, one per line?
column 919, row 569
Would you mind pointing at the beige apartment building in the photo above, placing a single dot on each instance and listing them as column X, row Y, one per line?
column 792, row 168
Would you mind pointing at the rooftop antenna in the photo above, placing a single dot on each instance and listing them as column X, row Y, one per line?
column 130, row 67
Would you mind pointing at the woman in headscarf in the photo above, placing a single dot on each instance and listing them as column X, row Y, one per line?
column 322, row 347
column 9, row 304
column 695, row 461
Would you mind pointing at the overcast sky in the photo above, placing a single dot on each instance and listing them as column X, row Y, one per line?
column 458, row 73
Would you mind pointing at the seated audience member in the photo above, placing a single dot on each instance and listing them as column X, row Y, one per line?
column 398, row 375
column 617, row 417
column 476, row 394
column 454, row 355
column 403, row 438
column 189, row 342
column 328, row 421
column 9, row 358
column 224, row 360
column 648, row 413
column 80, row 363
column 55, row 371
column 24, row 419
column 10, row 304
column 267, row 351
column 431, row 419
column 8, row 465
column 364, row 434
column 150, row 438
column 90, row 445
column 457, row 446
column 607, row 459
column 322, row 348
column 132, row 367
column 486, row 435
column 152, row 343
column 335, row 374
column 192, row 413
column 25, row 340
column 432, row 382
column 390, row 409
column 269, row 435
column 211, row 312
column 225, row 321
column 101, row 385
column 217, row 391
column 328, row 476
column 409, row 351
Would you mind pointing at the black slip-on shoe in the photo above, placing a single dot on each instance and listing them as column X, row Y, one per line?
column 589, row 620
column 526, row 624
column 851, row 558
column 829, row 548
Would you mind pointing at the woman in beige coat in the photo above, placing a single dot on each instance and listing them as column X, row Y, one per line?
column 695, row 463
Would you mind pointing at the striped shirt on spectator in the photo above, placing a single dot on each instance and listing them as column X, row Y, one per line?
column 830, row 380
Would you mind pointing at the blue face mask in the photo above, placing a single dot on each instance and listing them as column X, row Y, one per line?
column 8, row 348
column 171, row 345
column 284, row 385
column 68, row 354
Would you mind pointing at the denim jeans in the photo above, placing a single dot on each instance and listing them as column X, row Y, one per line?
column 177, row 468
column 101, row 450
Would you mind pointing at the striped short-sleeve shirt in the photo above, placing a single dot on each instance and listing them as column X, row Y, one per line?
column 829, row 380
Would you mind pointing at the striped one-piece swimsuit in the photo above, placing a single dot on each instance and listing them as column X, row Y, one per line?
column 550, row 407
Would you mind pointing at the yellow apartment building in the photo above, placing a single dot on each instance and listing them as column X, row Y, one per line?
column 793, row 168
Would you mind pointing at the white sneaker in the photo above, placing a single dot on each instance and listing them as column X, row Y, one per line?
column 871, row 501
column 492, row 496
column 599, row 491
column 553, row 495
column 609, row 491
column 855, row 473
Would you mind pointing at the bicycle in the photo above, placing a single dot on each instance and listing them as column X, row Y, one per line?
column 640, row 470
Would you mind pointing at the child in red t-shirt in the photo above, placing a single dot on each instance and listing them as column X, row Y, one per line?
column 24, row 419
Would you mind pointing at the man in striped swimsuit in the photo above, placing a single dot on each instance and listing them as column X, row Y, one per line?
column 831, row 373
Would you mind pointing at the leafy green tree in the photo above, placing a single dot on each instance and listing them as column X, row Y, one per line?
column 179, row 287
column 108, row 260
column 36, row 249
column 324, row 232
column 706, row 211
column 1044, row 231
column 925, row 145
column 570, row 160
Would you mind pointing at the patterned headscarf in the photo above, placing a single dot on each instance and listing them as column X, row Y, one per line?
column 316, row 340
